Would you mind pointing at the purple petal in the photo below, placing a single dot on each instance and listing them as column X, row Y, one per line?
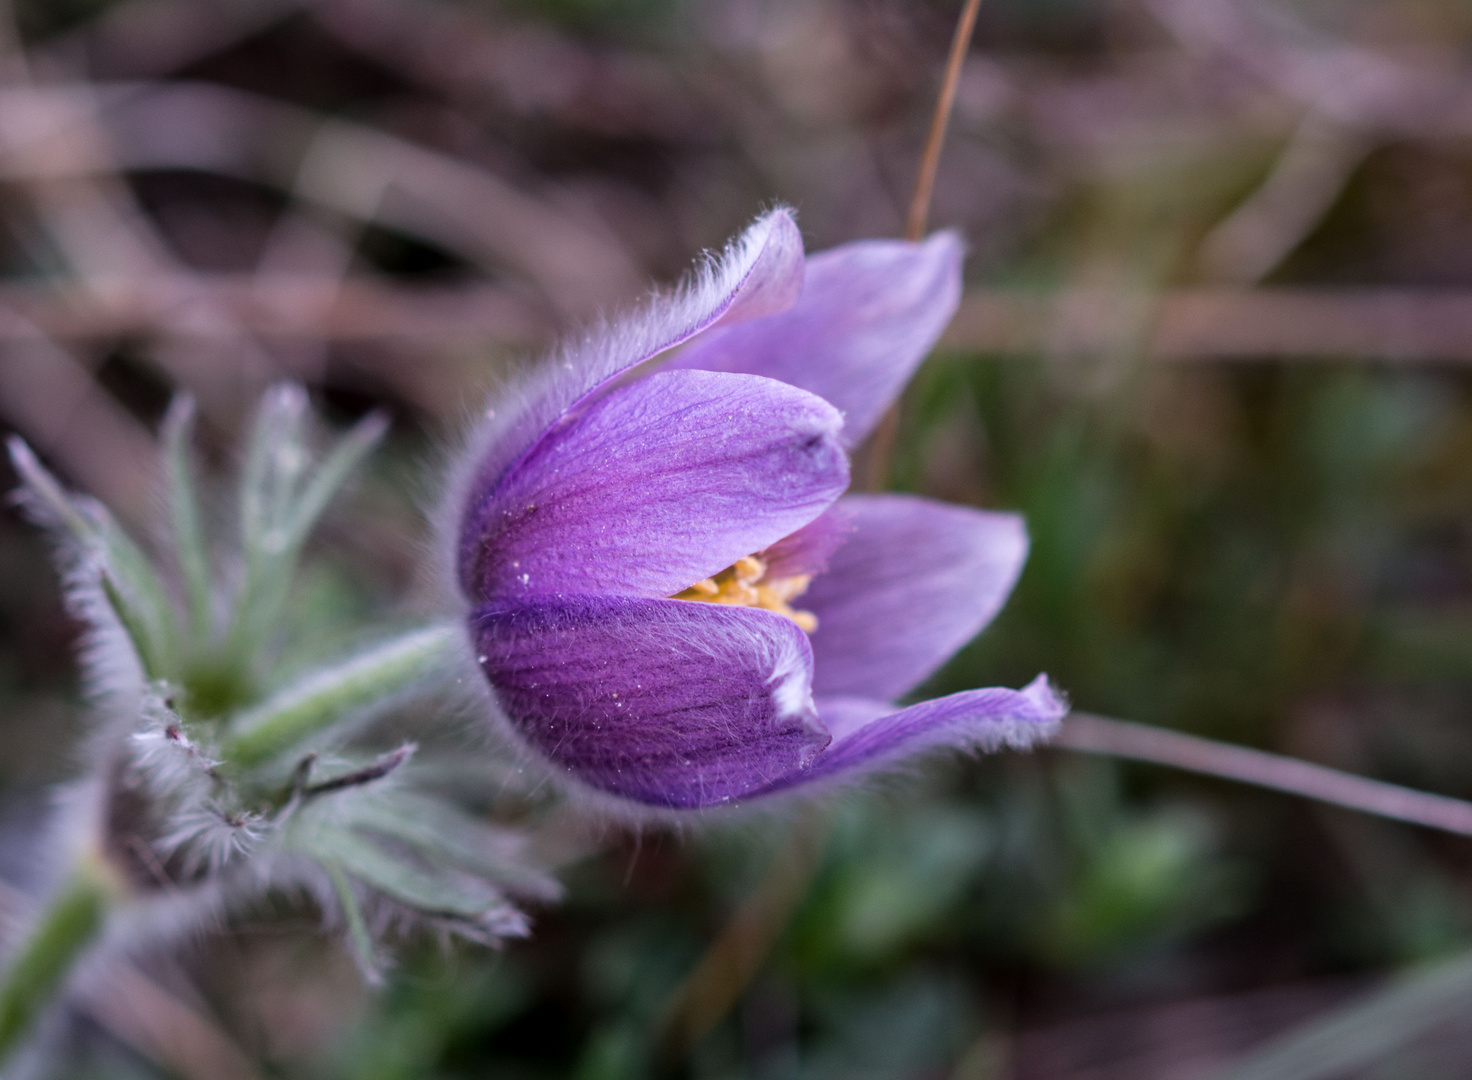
column 874, row 738
column 758, row 275
column 914, row 581
column 655, row 486
column 843, row 716
column 807, row 550
column 868, row 314
column 666, row 702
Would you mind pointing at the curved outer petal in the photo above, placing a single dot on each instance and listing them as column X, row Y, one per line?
column 666, row 702
column 656, row 485
column 868, row 736
column 868, row 314
column 913, row 582
column 758, row 275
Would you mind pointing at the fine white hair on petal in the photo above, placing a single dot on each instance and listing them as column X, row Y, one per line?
column 1033, row 718
column 791, row 683
column 875, row 740
column 870, row 312
column 758, row 274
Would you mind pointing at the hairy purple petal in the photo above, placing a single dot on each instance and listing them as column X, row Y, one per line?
column 665, row 702
column 868, row 314
column 657, row 485
column 868, row 736
column 913, row 582
column 758, row 275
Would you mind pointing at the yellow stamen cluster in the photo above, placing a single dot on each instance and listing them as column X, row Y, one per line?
column 745, row 584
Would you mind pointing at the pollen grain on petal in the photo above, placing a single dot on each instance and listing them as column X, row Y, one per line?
column 745, row 584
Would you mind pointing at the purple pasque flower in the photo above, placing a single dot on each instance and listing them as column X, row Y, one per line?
column 622, row 493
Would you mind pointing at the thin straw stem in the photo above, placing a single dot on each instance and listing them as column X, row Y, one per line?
column 1139, row 742
column 930, row 159
column 881, row 445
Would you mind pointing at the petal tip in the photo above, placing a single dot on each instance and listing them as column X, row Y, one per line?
column 1041, row 717
column 1050, row 702
column 1011, row 537
column 947, row 242
column 771, row 250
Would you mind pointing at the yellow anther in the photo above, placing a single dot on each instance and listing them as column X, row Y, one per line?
column 749, row 570
column 737, row 592
column 782, row 590
column 804, row 619
column 745, row 584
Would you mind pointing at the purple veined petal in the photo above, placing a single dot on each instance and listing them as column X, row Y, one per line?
column 913, row 582
column 868, row 736
column 868, row 314
column 758, row 275
column 808, row 550
column 658, row 484
column 667, row 702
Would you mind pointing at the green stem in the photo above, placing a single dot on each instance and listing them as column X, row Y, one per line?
column 38, row 971
column 327, row 696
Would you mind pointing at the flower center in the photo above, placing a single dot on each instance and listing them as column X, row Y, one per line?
column 745, row 584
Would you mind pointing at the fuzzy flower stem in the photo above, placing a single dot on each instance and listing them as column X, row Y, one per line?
column 39, row 969
column 329, row 695
column 1141, row 742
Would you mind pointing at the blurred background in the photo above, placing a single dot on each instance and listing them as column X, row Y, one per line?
column 1215, row 345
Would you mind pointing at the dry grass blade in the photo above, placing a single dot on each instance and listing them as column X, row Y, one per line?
column 1367, row 1031
column 880, row 451
column 163, row 1028
column 48, row 393
column 930, row 159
